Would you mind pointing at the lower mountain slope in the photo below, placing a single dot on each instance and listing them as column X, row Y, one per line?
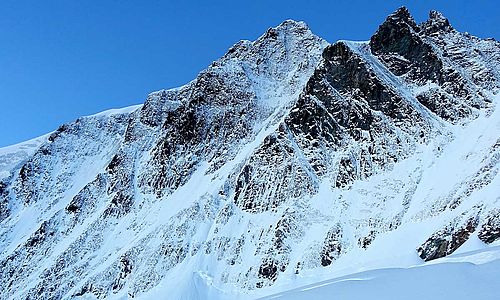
column 463, row 277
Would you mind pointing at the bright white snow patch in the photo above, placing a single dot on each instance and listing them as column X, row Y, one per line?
column 11, row 156
column 116, row 111
column 442, row 279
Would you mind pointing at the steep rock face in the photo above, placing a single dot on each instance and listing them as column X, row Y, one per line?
column 490, row 231
column 229, row 102
column 154, row 149
column 285, row 156
column 425, row 57
column 398, row 41
column 53, row 194
column 477, row 59
column 359, row 115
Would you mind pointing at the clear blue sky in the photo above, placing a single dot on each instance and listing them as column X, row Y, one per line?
column 63, row 59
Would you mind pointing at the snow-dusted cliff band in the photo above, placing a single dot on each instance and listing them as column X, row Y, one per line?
column 286, row 160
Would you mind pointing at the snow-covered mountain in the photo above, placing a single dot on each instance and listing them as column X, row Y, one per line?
column 288, row 161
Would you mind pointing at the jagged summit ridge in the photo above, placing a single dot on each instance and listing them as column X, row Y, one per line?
column 422, row 59
column 285, row 157
column 437, row 22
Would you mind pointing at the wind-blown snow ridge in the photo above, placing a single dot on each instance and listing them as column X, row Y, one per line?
column 117, row 111
column 11, row 156
column 460, row 279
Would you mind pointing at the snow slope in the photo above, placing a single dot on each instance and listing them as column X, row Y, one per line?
column 464, row 278
column 391, row 265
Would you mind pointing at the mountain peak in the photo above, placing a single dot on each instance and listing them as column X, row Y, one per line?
column 401, row 16
column 286, row 28
column 297, row 30
column 436, row 22
column 396, row 33
column 290, row 24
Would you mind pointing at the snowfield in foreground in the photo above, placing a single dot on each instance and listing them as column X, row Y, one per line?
column 461, row 276
column 472, row 275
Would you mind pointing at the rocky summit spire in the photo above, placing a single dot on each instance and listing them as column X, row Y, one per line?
column 436, row 23
column 396, row 33
column 402, row 15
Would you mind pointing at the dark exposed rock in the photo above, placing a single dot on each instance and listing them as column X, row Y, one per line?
column 42, row 233
column 398, row 37
column 188, row 125
column 120, row 205
column 347, row 173
column 277, row 259
column 27, row 178
column 340, row 106
column 62, row 129
column 396, row 33
column 3, row 188
column 332, row 247
column 114, row 163
column 461, row 235
column 435, row 247
column 219, row 110
column 125, row 267
column 120, row 185
column 365, row 241
column 243, row 180
column 269, row 270
column 436, row 23
column 447, row 240
column 72, row 207
column 159, row 104
column 347, row 73
column 273, row 167
column 409, row 51
column 284, row 227
column 87, row 288
column 490, row 230
column 4, row 201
